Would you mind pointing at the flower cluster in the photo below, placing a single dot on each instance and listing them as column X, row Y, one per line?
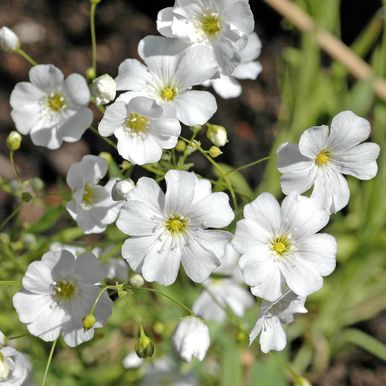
column 278, row 250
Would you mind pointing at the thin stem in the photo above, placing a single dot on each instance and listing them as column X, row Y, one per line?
column 19, row 336
column 12, row 159
column 11, row 216
column 186, row 308
column 246, row 166
column 93, row 36
column 9, row 282
column 49, row 361
column 111, row 143
column 99, row 296
column 24, row 55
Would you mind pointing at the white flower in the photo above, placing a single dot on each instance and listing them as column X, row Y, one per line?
column 92, row 206
column 121, row 189
column 132, row 361
column 51, row 109
column 166, row 371
column 280, row 247
column 191, row 338
column 222, row 25
column 224, row 291
column 14, row 367
column 58, row 291
column 323, row 155
column 271, row 317
column 227, row 86
column 143, row 128
column 9, row 41
column 170, row 228
column 170, row 72
column 104, row 89
column 217, row 134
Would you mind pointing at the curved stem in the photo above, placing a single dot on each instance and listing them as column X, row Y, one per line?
column 24, row 55
column 12, row 160
column 49, row 361
column 100, row 295
column 19, row 336
column 186, row 308
column 254, row 163
column 10, row 217
column 111, row 143
column 93, row 36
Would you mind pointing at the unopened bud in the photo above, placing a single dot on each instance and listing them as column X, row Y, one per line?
column 181, row 146
column 26, row 197
column 90, row 74
column 14, row 140
column 300, row 381
column 217, row 134
column 104, row 89
column 214, row 151
column 144, row 347
column 9, row 41
column 107, row 156
column 137, row 280
column 88, row 322
column 37, row 184
column 121, row 189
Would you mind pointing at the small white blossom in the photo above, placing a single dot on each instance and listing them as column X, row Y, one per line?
column 9, row 41
column 225, row 291
column 143, row 128
column 92, row 206
column 227, row 86
column 50, row 109
column 104, row 89
column 272, row 316
column 132, row 361
column 280, row 247
column 167, row 229
column 191, row 338
column 223, row 26
column 58, row 291
column 323, row 156
column 170, row 72
column 121, row 189
column 14, row 367
column 217, row 135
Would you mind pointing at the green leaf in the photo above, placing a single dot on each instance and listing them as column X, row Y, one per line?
column 48, row 220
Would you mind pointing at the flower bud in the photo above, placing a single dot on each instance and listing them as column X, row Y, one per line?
column 37, row 184
column 9, row 41
column 181, row 146
column 214, row 151
column 88, row 322
column 121, row 189
column 144, row 347
column 26, row 197
column 104, row 89
column 300, row 381
column 14, row 140
column 90, row 74
column 217, row 134
column 137, row 280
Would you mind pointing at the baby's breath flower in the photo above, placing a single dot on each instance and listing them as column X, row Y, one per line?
column 104, row 89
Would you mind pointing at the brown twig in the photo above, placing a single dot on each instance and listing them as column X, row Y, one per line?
column 333, row 46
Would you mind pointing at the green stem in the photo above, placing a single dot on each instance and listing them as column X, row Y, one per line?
column 93, row 36
column 9, row 282
column 49, row 361
column 11, row 216
column 99, row 296
column 186, row 308
column 24, row 55
column 19, row 336
column 12, row 160
column 111, row 143
column 250, row 164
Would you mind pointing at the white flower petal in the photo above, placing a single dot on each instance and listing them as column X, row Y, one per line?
column 226, row 86
column 73, row 129
column 132, row 75
column 77, row 89
column 272, row 336
column 135, row 249
column 313, row 140
column 113, row 118
column 47, row 77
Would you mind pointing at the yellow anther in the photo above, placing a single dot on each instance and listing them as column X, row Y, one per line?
column 176, row 224
column 210, row 24
column 56, row 101
column 322, row 158
column 168, row 94
column 137, row 123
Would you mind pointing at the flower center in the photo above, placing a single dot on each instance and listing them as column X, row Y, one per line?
column 56, row 101
column 137, row 123
column 281, row 245
column 168, row 93
column 210, row 24
column 4, row 368
column 64, row 290
column 322, row 158
column 176, row 224
column 88, row 195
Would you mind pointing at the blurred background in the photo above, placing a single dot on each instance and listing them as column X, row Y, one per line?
column 342, row 339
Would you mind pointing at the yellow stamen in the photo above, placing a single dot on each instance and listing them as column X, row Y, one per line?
column 176, row 224
column 88, row 195
column 64, row 290
column 168, row 94
column 56, row 101
column 210, row 24
column 137, row 123
column 322, row 158
column 281, row 245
